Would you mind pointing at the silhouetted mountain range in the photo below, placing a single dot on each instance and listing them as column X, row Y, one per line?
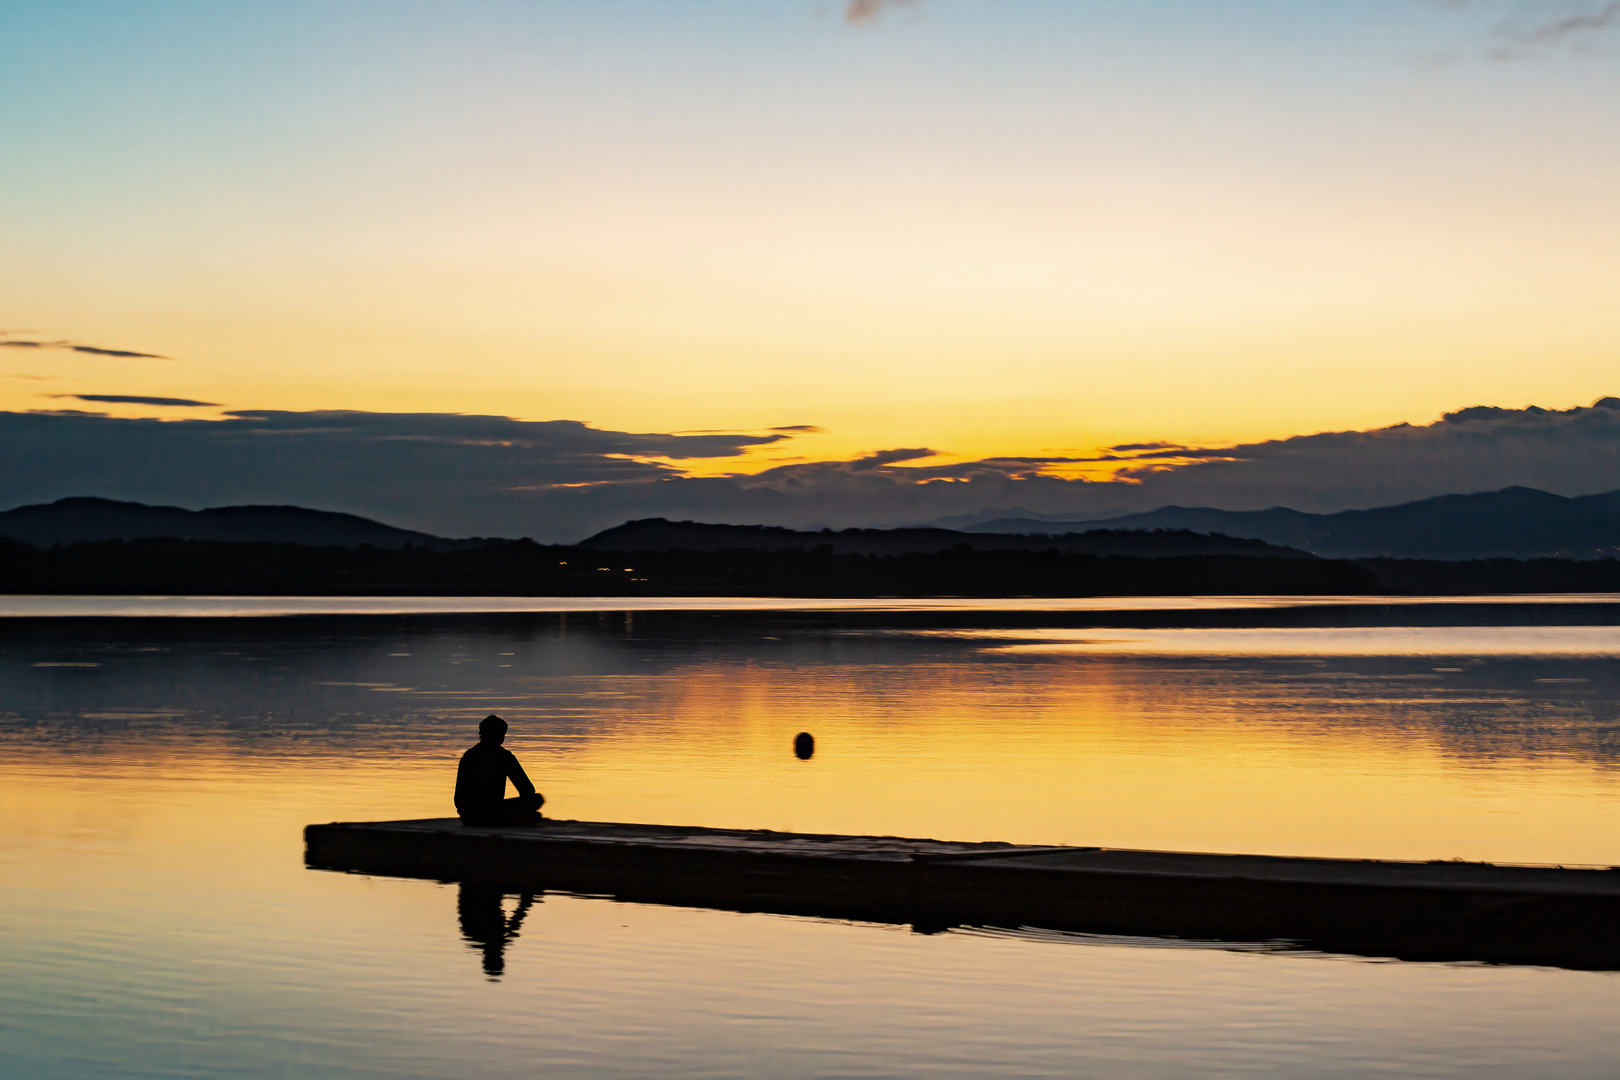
column 1514, row 523
column 658, row 534
column 78, row 520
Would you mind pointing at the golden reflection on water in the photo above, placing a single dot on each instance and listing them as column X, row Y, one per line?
column 1104, row 753
column 1254, row 754
column 1408, row 641
column 151, row 861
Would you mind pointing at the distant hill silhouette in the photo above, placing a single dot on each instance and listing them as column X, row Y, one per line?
column 77, row 520
column 1057, row 522
column 659, row 534
column 1514, row 523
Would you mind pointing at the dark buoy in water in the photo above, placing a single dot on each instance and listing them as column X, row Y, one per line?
column 804, row 745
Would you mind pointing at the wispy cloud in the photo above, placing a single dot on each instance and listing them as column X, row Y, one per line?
column 139, row 399
column 1128, row 447
column 864, row 12
column 1525, row 28
column 93, row 350
column 1573, row 25
column 780, row 432
column 891, row 457
column 1537, row 28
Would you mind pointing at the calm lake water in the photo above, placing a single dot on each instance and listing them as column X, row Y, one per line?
column 159, row 921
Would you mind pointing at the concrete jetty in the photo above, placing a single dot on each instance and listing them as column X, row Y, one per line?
column 1443, row 910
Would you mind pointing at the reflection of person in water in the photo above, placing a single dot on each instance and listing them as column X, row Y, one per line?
column 486, row 926
column 481, row 782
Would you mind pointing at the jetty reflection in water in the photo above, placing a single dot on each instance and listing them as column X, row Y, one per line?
column 1432, row 911
column 490, row 919
column 159, row 773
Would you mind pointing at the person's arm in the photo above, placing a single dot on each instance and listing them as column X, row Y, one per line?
column 525, row 902
column 519, row 778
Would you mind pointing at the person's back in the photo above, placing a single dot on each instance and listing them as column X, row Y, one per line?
column 481, row 776
column 481, row 782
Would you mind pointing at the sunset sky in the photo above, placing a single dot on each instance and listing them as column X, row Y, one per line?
column 987, row 227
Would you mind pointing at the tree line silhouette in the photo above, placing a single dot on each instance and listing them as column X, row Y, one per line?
column 525, row 568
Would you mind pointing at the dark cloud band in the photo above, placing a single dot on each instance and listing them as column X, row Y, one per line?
column 460, row 475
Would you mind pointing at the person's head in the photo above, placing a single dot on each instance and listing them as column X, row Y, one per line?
column 492, row 729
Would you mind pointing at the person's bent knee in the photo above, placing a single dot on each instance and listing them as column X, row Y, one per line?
column 519, row 811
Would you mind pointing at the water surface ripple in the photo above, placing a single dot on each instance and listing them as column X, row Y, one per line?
column 159, row 921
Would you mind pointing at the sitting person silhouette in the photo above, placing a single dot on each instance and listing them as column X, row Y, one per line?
column 481, row 782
